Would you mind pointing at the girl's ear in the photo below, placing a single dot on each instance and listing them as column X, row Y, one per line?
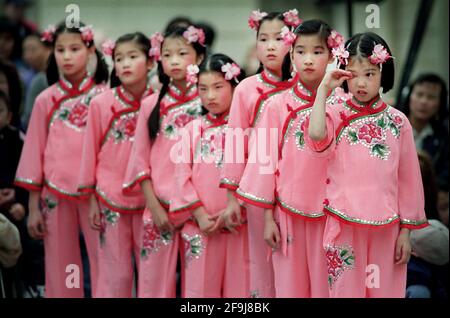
column 200, row 59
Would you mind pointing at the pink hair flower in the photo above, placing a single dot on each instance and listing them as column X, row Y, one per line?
column 191, row 74
column 291, row 18
column 87, row 33
column 231, row 71
column 335, row 40
column 341, row 54
column 288, row 36
column 156, row 40
column 108, row 47
column 193, row 34
column 379, row 55
column 48, row 34
column 255, row 17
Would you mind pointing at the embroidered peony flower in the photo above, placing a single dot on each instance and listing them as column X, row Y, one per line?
column 156, row 40
column 108, row 47
column 341, row 95
column 182, row 120
column 87, row 33
column 191, row 73
column 193, row 34
column 48, row 34
column 231, row 71
column 151, row 234
column 255, row 18
column 370, row 133
column 334, row 261
column 335, row 40
column 379, row 55
column 291, row 18
column 130, row 126
column 398, row 120
column 78, row 115
column 288, row 36
column 341, row 54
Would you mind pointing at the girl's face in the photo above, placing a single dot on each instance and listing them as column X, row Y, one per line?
column 311, row 57
column 35, row 53
column 71, row 54
column 270, row 48
column 425, row 100
column 366, row 80
column 215, row 92
column 177, row 54
column 131, row 63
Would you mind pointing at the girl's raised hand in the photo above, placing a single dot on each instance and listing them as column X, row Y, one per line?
column 335, row 78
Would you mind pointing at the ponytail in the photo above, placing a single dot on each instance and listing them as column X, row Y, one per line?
column 153, row 120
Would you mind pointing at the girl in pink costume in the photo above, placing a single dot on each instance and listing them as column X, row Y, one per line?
column 51, row 157
column 246, row 109
column 374, row 194
column 151, row 166
column 293, row 189
column 107, row 146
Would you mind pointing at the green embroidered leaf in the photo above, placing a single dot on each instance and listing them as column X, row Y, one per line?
column 353, row 136
column 50, row 203
column 170, row 129
column 64, row 114
column 380, row 150
column 330, row 280
column 381, row 123
column 300, row 138
column 192, row 111
column 144, row 252
column 343, row 252
column 167, row 236
column 394, row 129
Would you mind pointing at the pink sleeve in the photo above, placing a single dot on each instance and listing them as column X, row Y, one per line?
column 30, row 172
column 235, row 148
column 410, row 187
column 91, row 148
column 185, row 197
column 138, row 168
column 325, row 143
column 257, row 185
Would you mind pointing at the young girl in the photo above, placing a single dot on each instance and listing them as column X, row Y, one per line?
column 151, row 166
column 296, row 190
column 216, row 263
column 107, row 146
column 247, row 106
column 51, row 157
column 374, row 194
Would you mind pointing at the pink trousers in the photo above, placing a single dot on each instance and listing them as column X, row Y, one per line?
column 215, row 266
column 158, row 261
column 261, row 267
column 300, row 266
column 361, row 261
column 63, row 265
column 120, row 239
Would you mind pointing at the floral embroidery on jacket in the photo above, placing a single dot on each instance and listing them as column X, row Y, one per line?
column 193, row 246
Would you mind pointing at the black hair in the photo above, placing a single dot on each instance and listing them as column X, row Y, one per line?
column 15, row 89
column 361, row 45
column 142, row 42
column 177, row 22
column 214, row 63
column 4, row 97
column 153, row 120
column 101, row 73
column 442, row 114
column 8, row 26
column 308, row 27
column 38, row 35
column 210, row 33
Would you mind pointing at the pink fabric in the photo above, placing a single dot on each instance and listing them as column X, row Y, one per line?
column 247, row 105
column 107, row 147
column 300, row 271
column 361, row 261
column 64, row 219
column 374, row 153
column 215, row 266
column 158, row 261
column 151, row 160
column 120, row 239
column 51, row 154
